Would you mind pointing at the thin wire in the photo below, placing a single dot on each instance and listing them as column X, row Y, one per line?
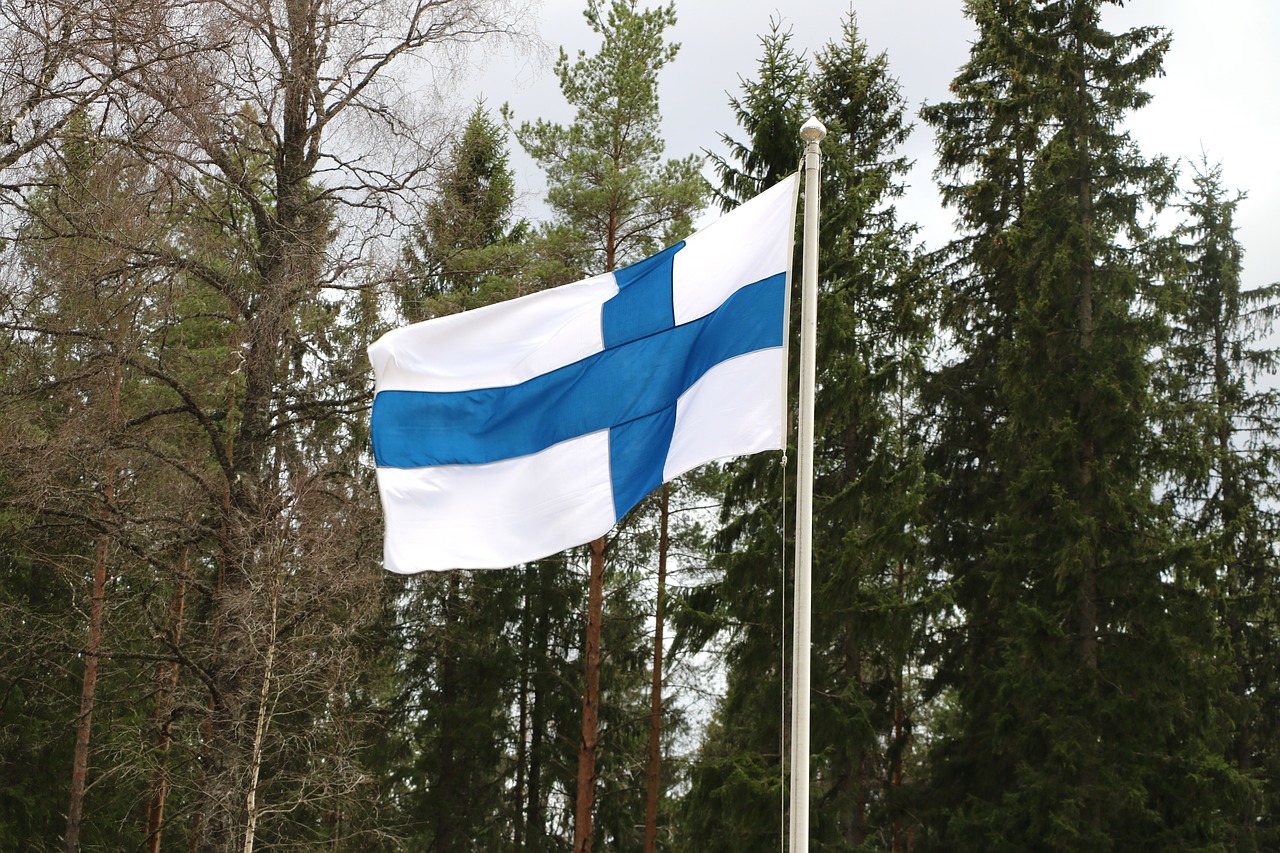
column 784, row 753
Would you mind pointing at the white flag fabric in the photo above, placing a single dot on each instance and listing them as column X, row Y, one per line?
column 514, row 431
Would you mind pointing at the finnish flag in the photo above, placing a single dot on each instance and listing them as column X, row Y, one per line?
column 514, row 431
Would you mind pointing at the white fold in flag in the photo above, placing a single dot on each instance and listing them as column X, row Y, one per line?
column 508, row 433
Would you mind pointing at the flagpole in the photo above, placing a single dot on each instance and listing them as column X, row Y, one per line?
column 812, row 133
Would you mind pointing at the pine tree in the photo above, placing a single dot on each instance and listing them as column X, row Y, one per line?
column 1079, row 671
column 607, row 181
column 616, row 200
column 458, row 689
column 80, row 315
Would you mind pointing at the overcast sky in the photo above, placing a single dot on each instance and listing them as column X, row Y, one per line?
column 1220, row 93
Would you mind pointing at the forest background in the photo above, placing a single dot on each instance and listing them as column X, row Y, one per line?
column 1046, row 539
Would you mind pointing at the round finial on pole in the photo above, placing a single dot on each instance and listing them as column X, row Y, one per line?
column 813, row 130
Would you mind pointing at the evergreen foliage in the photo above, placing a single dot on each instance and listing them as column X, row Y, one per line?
column 1079, row 668
column 769, row 110
column 486, row 658
column 872, row 335
column 1221, row 437
column 467, row 251
column 608, row 184
column 1046, row 566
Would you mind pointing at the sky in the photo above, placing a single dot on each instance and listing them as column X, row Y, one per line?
column 1220, row 94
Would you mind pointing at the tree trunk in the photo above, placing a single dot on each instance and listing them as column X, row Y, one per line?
column 582, row 820
column 446, row 819
column 260, row 728
column 522, row 727
column 88, row 692
column 860, row 785
column 1088, row 595
column 535, row 821
column 207, row 759
column 93, row 642
column 164, row 707
column 655, row 700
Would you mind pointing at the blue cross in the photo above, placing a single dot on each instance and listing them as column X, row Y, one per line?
column 630, row 388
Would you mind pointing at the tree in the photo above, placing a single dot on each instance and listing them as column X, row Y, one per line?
column 74, row 328
column 872, row 335
column 1079, row 671
column 870, row 480
column 1221, row 432
column 467, row 251
column 458, row 688
column 66, row 59
column 736, row 777
column 769, row 110
column 986, row 140
column 612, row 194
column 244, row 389
column 485, row 651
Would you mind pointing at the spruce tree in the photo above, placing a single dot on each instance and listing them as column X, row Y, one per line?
column 735, row 778
column 875, row 326
column 871, row 335
column 1224, row 450
column 1078, row 668
column 769, row 110
column 468, row 250
column 483, row 651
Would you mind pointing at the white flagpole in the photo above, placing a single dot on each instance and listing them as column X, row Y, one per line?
column 812, row 133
